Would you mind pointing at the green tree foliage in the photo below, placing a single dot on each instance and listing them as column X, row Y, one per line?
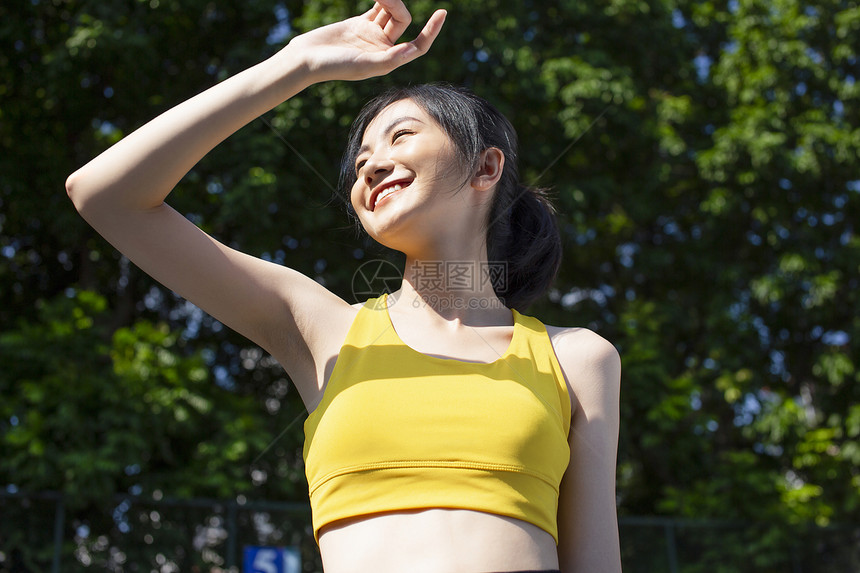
column 704, row 158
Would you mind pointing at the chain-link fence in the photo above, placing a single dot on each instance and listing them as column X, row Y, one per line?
column 41, row 532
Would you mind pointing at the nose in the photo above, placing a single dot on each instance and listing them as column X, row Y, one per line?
column 376, row 168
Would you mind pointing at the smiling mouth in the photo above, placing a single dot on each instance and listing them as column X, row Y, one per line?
column 388, row 191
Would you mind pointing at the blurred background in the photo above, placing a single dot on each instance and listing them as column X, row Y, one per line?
column 704, row 157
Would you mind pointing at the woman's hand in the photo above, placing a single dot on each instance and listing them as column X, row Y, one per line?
column 364, row 46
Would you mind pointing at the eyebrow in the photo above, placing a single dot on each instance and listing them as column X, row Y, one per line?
column 388, row 130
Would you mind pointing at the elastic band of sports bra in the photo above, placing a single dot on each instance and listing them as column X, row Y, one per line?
column 489, row 467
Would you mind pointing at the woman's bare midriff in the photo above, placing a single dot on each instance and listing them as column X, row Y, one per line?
column 436, row 541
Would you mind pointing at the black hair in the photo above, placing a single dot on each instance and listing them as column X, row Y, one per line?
column 522, row 235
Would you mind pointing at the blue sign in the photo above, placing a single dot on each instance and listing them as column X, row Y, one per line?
column 272, row 560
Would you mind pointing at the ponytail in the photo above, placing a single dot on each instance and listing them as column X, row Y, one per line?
column 523, row 238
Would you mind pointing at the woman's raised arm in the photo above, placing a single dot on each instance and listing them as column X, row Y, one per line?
column 121, row 192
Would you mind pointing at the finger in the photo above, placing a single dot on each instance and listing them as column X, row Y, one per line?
column 397, row 9
column 404, row 53
column 373, row 12
column 429, row 33
column 395, row 29
column 399, row 18
column 382, row 18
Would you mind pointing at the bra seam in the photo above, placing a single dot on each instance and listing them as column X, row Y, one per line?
column 542, row 338
column 347, row 339
column 558, row 374
column 435, row 464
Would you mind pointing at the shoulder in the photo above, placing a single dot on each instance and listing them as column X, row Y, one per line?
column 591, row 365
column 581, row 344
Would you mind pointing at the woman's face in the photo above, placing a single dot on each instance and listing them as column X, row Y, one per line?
column 406, row 172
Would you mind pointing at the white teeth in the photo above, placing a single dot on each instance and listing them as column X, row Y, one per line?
column 388, row 191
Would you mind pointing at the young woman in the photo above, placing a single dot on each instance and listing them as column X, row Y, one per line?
column 447, row 432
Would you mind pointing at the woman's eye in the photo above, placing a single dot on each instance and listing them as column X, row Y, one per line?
column 400, row 133
column 358, row 166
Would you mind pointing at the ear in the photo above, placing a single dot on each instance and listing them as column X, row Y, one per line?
column 490, row 168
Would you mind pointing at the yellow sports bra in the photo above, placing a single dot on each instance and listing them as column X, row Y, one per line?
column 400, row 430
